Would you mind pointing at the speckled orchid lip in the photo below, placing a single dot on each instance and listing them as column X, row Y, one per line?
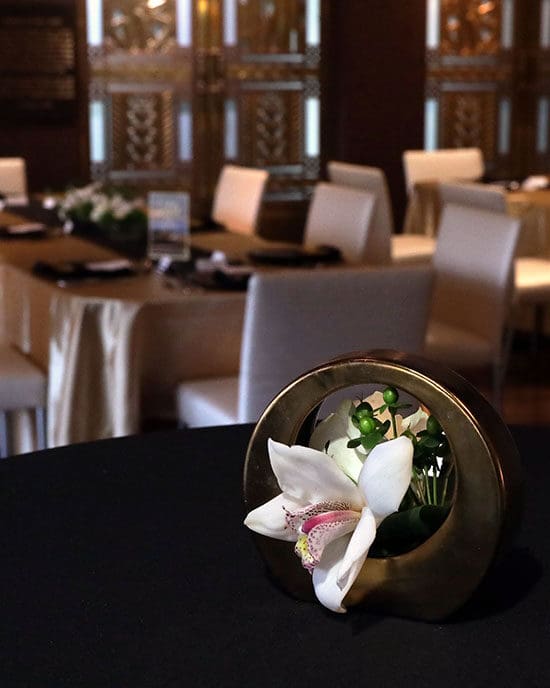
column 330, row 517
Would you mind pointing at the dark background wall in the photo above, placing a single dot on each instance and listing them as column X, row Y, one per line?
column 374, row 76
column 55, row 147
column 373, row 91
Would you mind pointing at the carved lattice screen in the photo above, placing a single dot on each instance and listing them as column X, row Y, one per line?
column 471, row 78
column 178, row 87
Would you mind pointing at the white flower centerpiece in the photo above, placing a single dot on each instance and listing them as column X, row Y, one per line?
column 370, row 482
column 111, row 210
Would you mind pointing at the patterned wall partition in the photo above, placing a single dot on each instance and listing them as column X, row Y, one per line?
column 178, row 87
column 471, row 77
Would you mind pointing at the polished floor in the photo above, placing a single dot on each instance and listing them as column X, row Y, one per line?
column 526, row 392
column 526, row 399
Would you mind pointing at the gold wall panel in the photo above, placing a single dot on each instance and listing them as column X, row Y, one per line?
column 469, row 119
column 470, row 27
column 271, row 26
column 259, row 68
column 143, row 131
column 471, row 75
column 277, row 137
column 139, row 26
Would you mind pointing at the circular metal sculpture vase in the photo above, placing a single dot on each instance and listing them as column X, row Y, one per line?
column 437, row 578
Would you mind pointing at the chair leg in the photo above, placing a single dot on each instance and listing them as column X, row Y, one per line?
column 4, row 438
column 41, row 427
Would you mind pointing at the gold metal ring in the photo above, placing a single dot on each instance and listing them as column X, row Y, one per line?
column 438, row 577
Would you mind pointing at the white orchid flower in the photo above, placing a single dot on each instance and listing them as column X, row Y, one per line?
column 332, row 520
column 334, row 432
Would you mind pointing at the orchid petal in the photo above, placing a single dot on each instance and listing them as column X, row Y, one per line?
column 332, row 427
column 325, row 575
column 270, row 519
column 332, row 436
column 386, row 476
column 357, row 550
column 323, row 529
column 345, row 458
column 309, row 476
column 416, row 422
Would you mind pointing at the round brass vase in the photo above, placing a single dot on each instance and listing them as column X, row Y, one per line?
column 435, row 579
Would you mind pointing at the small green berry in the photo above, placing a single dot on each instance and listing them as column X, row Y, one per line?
column 367, row 425
column 390, row 395
column 364, row 409
column 432, row 426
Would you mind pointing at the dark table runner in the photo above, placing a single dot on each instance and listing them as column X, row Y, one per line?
column 124, row 563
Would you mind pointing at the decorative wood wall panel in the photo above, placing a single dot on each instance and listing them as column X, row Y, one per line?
column 535, row 89
column 140, row 77
column 38, row 62
column 488, row 81
column 236, row 80
column 471, row 79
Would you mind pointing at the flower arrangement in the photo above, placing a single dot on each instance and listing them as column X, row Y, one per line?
column 371, row 482
column 109, row 208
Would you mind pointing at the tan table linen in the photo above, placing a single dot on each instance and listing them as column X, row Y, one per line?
column 115, row 349
column 532, row 207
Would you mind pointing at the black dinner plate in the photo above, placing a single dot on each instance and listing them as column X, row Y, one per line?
column 295, row 256
column 217, row 279
column 73, row 271
column 12, row 232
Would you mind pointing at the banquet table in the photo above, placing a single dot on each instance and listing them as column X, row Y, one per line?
column 532, row 207
column 114, row 349
column 125, row 563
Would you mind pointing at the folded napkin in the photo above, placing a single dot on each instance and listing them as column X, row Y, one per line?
column 535, row 182
column 74, row 271
column 23, row 230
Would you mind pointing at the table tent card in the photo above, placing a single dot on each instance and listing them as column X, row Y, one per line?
column 168, row 225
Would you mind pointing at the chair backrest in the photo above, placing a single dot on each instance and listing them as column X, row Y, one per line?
column 445, row 164
column 238, row 197
column 295, row 320
column 370, row 179
column 13, row 180
column 342, row 217
column 472, row 195
column 473, row 263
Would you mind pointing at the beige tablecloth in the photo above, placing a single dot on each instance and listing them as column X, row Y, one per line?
column 115, row 350
column 532, row 207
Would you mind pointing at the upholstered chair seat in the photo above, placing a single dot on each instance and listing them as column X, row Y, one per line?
column 341, row 217
column 473, row 264
column 295, row 320
column 22, row 386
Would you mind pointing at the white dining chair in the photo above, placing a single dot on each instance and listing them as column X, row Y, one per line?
column 474, row 195
column 374, row 180
column 445, row 164
column 531, row 272
column 414, row 248
column 238, row 198
column 473, row 264
column 295, row 320
column 13, row 180
column 342, row 217
column 22, row 387
column 423, row 171
column 402, row 249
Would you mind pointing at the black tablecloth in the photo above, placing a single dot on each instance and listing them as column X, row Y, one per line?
column 124, row 563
